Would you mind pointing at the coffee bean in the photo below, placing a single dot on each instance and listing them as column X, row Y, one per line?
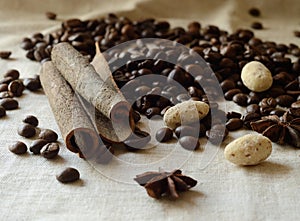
column 26, row 130
column 37, row 145
column 68, row 175
column 14, row 74
column 16, row 87
column 5, row 54
column 234, row 124
column 2, row 111
column 189, row 142
column 217, row 134
column 253, row 108
column 48, row 135
column 296, row 104
column 277, row 112
column 6, row 94
column 164, row 134
column 138, row 140
column 268, row 102
column 50, row 15
column 32, row 84
column 30, row 119
column 9, row 103
column 229, row 94
column 227, row 85
column 257, row 25
column 297, row 34
column 233, row 114
column 250, row 117
column 240, row 99
column 3, row 87
column 185, row 130
column 285, row 100
column 152, row 111
column 254, row 12
column 18, row 148
column 50, row 150
column 6, row 80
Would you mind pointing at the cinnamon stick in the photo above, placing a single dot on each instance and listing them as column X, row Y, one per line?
column 76, row 128
column 83, row 78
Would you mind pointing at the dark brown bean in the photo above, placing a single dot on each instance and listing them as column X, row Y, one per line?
column 32, row 84
column 164, row 134
column 16, row 87
column 253, row 108
column 297, row 34
column 268, row 102
column 240, row 99
column 9, row 103
column 68, row 175
column 26, row 130
column 152, row 111
column 254, row 12
column 185, row 130
column 3, row 87
column 48, row 135
column 285, row 100
column 227, row 85
column 257, row 25
column 37, row 145
column 229, row 94
column 233, row 114
column 6, row 80
column 277, row 112
column 189, row 142
column 250, row 117
column 50, row 15
column 234, row 124
column 14, row 74
column 18, row 148
column 30, row 119
column 5, row 54
column 2, row 111
column 50, row 150
column 6, row 94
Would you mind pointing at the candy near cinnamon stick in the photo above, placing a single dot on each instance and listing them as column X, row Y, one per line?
column 82, row 77
column 76, row 128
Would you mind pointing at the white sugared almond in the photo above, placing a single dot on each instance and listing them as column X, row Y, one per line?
column 256, row 76
column 186, row 112
column 250, row 149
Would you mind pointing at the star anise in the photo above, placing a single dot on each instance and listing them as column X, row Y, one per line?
column 165, row 183
column 285, row 129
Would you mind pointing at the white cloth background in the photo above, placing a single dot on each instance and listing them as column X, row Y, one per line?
column 28, row 188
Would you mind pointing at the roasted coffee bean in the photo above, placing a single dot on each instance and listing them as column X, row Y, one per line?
column 164, row 134
column 3, row 87
column 189, row 142
column 254, row 12
column 14, row 74
column 26, row 130
column 37, row 145
column 253, row 108
column 268, row 102
column 6, row 94
column 296, row 104
column 250, row 117
column 50, row 150
column 2, row 111
column 68, row 175
column 30, row 119
column 295, row 112
column 233, row 114
column 229, row 94
column 185, row 130
column 227, row 85
column 50, row 15
column 9, row 103
column 138, row 140
column 240, row 99
column 277, row 112
column 48, row 135
column 152, row 111
column 32, row 84
column 285, row 100
column 18, row 148
column 257, row 25
column 297, row 34
column 217, row 134
column 16, row 87
column 234, row 124
column 6, row 80
column 5, row 54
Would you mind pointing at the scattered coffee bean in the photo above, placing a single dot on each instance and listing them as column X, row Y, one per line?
column 30, row 119
column 50, row 15
column 14, row 74
column 185, row 130
column 18, row 148
column 68, row 175
column 164, row 134
column 297, row 34
column 285, row 100
column 234, row 124
column 5, row 54
column 152, row 111
column 257, row 25
column 48, row 135
column 255, row 12
column 229, row 94
column 16, row 87
column 9, row 103
column 240, row 99
column 26, row 130
column 268, row 102
column 189, row 142
column 250, row 117
column 2, row 111
column 37, row 145
column 253, row 108
column 50, row 150
column 3, row 87
column 233, row 114
column 6, row 80
column 32, row 84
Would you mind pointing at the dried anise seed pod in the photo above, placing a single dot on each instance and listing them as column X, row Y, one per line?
column 161, row 183
column 285, row 129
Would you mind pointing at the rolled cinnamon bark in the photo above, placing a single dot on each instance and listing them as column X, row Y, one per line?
column 82, row 77
column 75, row 126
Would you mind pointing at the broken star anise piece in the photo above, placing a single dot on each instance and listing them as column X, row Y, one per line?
column 285, row 129
column 165, row 183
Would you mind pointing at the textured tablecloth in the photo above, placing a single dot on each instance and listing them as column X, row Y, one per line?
column 28, row 188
